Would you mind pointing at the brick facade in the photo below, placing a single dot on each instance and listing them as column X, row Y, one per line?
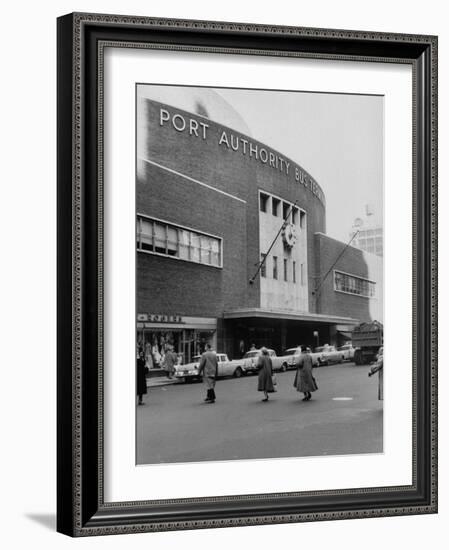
column 165, row 195
column 353, row 261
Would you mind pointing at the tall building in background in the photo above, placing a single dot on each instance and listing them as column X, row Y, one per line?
column 368, row 233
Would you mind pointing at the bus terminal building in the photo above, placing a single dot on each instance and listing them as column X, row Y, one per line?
column 213, row 264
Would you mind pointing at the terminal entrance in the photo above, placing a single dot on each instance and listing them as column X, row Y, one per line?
column 240, row 335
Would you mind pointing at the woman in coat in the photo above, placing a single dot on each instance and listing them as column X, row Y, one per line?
column 141, row 378
column 265, row 381
column 304, row 380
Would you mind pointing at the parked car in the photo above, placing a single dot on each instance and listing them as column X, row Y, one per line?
column 291, row 355
column 348, row 352
column 328, row 354
column 251, row 357
column 226, row 367
column 189, row 371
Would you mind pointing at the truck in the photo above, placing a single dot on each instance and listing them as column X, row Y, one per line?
column 367, row 339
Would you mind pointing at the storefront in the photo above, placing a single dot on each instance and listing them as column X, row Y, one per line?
column 187, row 335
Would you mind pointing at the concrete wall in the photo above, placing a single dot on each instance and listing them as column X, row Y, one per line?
column 278, row 293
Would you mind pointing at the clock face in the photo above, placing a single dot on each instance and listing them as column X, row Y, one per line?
column 289, row 235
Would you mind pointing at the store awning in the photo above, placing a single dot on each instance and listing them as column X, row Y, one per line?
column 289, row 315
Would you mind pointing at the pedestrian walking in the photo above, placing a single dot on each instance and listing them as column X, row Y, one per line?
column 208, row 367
column 265, row 379
column 379, row 368
column 141, row 378
column 170, row 360
column 304, row 380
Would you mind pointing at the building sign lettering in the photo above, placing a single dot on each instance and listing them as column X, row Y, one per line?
column 156, row 318
column 238, row 143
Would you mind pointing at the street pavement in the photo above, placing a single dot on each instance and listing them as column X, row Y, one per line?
column 343, row 417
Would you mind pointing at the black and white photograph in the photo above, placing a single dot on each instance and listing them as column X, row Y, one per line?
column 259, row 274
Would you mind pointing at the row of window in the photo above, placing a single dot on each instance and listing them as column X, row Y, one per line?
column 354, row 285
column 177, row 242
column 277, row 207
column 371, row 232
column 367, row 241
column 289, row 269
column 185, row 244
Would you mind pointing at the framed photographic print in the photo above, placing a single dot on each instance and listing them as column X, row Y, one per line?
column 246, row 236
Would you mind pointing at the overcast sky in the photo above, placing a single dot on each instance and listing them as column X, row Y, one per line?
column 337, row 138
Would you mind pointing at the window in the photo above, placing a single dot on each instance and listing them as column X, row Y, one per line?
column 302, row 274
column 294, row 216
column 160, row 238
column 352, row 284
column 145, row 231
column 169, row 240
column 294, row 272
column 195, row 247
column 172, row 241
column 184, row 244
column 263, row 265
column 285, row 269
column 275, row 267
column 264, row 202
column 277, row 207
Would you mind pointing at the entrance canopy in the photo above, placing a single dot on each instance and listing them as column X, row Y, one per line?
column 280, row 329
column 315, row 318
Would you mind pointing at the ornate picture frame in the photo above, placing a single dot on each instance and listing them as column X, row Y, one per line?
column 81, row 508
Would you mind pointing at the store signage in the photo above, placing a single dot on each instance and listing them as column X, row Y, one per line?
column 157, row 318
column 239, row 143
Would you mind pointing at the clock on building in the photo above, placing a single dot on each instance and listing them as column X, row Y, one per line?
column 289, row 235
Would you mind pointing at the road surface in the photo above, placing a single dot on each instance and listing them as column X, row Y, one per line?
column 343, row 417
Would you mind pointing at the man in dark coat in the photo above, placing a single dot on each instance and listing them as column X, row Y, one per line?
column 209, row 369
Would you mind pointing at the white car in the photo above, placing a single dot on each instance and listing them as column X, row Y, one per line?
column 250, row 360
column 227, row 367
column 291, row 356
column 348, row 352
column 329, row 354
column 189, row 371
